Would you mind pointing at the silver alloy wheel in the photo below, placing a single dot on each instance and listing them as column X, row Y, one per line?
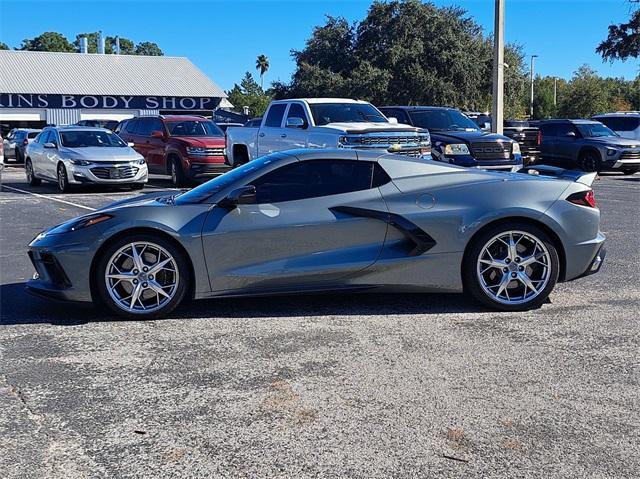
column 29, row 169
column 61, row 174
column 141, row 277
column 174, row 173
column 514, row 267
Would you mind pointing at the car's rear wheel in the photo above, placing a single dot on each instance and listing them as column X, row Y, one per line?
column 31, row 176
column 63, row 181
column 590, row 161
column 142, row 276
column 511, row 267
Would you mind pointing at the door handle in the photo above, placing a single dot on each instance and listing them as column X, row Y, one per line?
column 147, row 142
column 284, row 135
column 261, row 135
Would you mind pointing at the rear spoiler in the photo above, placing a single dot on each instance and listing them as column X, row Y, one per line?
column 555, row 172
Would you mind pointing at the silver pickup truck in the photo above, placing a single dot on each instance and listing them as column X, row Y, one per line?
column 325, row 123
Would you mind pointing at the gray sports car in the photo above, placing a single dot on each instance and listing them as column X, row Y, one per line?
column 325, row 220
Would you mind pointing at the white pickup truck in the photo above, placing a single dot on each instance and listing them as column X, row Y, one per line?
column 325, row 123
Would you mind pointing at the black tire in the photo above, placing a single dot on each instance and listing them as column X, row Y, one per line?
column 182, row 265
column 178, row 178
column 470, row 276
column 31, row 176
column 630, row 171
column 136, row 186
column 590, row 161
column 240, row 157
column 63, row 181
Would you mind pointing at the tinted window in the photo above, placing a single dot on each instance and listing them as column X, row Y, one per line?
column 155, row 125
column 145, row 127
column 53, row 138
column 312, row 179
column 19, row 135
column 563, row 128
column 296, row 111
column 620, row 123
column 439, row 120
column 595, row 130
column 131, row 126
column 396, row 113
column 274, row 117
column 324, row 113
column 43, row 137
column 32, row 134
column 550, row 129
column 90, row 138
column 193, row 128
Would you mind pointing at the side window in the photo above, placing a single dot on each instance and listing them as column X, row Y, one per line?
column 563, row 128
column 144, row 127
column 44, row 137
column 296, row 110
column 131, row 126
column 155, row 125
column 274, row 117
column 397, row 114
column 313, row 179
column 548, row 130
column 53, row 137
column 32, row 134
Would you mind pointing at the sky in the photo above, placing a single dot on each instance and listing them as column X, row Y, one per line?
column 224, row 37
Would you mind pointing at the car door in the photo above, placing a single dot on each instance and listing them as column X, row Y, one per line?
column 295, row 136
column 566, row 143
column 271, row 132
column 50, row 156
column 295, row 235
column 35, row 153
column 547, row 145
column 155, row 146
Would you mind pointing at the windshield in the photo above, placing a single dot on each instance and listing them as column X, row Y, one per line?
column 90, row 138
column 442, row 120
column 193, row 128
column 594, row 130
column 324, row 113
column 211, row 187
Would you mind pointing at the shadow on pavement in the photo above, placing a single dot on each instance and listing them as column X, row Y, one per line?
column 17, row 306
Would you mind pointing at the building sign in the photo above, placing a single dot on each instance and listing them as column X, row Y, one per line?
column 107, row 102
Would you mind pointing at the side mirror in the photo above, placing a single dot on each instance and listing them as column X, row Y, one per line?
column 571, row 134
column 296, row 122
column 157, row 134
column 393, row 119
column 50, row 145
column 131, row 144
column 240, row 196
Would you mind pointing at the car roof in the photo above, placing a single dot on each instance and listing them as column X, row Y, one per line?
column 618, row 114
column 578, row 121
column 77, row 128
column 26, row 129
column 314, row 101
column 420, row 107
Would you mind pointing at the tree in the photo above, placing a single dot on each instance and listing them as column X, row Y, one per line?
column 149, row 49
column 262, row 64
column 4, row 46
column 249, row 94
column 586, row 95
column 405, row 52
column 48, row 42
column 623, row 41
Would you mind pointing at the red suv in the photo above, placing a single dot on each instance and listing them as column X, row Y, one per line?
column 186, row 147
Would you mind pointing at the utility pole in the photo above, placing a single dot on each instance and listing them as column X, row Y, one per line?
column 555, row 91
column 533, row 65
column 497, row 114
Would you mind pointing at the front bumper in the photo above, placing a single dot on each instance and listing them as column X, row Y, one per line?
column 107, row 173
column 205, row 170
column 513, row 164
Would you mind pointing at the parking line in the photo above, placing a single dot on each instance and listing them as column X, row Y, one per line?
column 49, row 198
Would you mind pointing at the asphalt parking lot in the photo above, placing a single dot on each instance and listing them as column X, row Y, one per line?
column 322, row 386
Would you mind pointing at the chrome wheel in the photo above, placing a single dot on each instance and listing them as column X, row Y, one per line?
column 29, row 170
column 514, row 267
column 174, row 173
column 141, row 277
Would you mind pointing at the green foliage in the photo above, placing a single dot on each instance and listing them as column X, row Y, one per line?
column 405, row 52
column 623, row 41
column 262, row 65
column 149, row 49
column 4, row 46
column 249, row 94
column 48, row 42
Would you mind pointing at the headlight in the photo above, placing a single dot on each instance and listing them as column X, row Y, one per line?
column 139, row 162
column 611, row 151
column 80, row 223
column 80, row 162
column 516, row 147
column 456, row 149
column 195, row 150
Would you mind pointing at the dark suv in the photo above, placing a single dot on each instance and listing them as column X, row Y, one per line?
column 456, row 139
column 186, row 147
column 588, row 144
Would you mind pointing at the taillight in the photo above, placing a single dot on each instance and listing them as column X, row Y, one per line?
column 25, row 142
column 539, row 138
column 583, row 198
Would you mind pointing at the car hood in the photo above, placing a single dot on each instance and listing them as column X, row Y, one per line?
column 202, row 141
column 369, row 127
column 466, row 136
column 101, row 153
column 615, row 141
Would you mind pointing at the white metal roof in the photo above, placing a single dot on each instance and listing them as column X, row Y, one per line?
column 94, row 74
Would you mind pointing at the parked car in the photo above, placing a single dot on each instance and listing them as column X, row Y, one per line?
column 458, row 140
column 186, row 147
column 624, row 123
column 324, row 123
column 109, row 124
column 589, row 145
column 16, row 143
column 73, row 155
column 527, row 135
column 483, row 120
column 323, row 220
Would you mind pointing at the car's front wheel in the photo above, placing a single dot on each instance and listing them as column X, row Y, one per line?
column 511, row 267
column 142, row 276
column 63, row 181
